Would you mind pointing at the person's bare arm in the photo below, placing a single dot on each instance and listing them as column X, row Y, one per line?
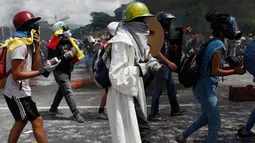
column 36, row 55
column 216, row 66
column 19, row 74
column 170, row 64
column 218, row 71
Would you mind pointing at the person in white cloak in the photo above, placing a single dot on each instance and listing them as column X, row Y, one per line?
column 130, row 60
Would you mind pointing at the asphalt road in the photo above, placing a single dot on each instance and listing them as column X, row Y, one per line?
column 62, row 129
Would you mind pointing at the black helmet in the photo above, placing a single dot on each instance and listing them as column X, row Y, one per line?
column 164, row 19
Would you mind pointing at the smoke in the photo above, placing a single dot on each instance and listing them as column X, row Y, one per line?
column 78, row 10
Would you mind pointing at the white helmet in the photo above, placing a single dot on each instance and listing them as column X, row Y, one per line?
column 58, row 25
column 112, row 28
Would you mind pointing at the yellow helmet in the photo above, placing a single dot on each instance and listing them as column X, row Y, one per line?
column 136, row 9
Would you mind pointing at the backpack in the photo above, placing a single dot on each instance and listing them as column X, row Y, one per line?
column 3, row 73
column 101, row 72
column 189, row 68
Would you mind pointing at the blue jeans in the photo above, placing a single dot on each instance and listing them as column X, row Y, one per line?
column 163, row 77
column 251, row 121
column 205, row 93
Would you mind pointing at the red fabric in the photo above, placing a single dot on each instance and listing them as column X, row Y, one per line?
column 75, row 60
column 105, row 42
column 54, row 40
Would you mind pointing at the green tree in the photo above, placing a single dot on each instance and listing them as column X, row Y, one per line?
column 118, row 12
column 100, row 20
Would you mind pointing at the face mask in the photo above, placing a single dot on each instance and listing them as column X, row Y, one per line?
column 233, row 32
column 31, row 26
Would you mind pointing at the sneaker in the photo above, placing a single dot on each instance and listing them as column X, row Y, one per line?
column 180, row 139
column 102, row 116
column 55, row 112
column 78, row 118
column 155, row 118
column 241, row 133
column 177, row 113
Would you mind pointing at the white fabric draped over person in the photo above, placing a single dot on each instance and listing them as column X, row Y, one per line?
column 126, row 84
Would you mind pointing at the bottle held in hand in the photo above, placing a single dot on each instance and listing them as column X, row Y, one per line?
column 49, row 66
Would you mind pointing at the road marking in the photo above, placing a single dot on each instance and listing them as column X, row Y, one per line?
column 96, row 107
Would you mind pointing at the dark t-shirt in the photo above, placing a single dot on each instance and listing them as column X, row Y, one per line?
column 66, row 65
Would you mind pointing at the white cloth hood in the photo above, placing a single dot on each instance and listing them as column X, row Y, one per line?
column 112, row 28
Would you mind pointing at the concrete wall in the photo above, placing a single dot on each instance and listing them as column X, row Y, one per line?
column 5, row 32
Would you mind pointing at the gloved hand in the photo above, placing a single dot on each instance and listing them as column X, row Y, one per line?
column 48, row 68
column 153, row 64
column 70, row 54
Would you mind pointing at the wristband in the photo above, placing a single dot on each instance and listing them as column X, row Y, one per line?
column 140, row 71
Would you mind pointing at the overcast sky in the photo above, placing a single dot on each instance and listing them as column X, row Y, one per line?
column 78, row 10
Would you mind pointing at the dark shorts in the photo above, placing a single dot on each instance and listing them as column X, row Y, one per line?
column 22, row 109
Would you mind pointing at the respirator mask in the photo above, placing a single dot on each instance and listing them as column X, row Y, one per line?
column 233, row 33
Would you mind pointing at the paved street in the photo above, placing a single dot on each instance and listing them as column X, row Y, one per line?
column 62, row 129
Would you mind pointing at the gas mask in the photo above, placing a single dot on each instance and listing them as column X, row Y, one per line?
column 233, row 32
column 65, row 28
column 66, row 32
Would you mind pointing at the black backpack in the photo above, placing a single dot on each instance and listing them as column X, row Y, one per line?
column 101, row 72
column 189, row 68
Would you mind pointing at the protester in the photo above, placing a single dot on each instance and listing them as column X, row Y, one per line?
column 249, row 53
column 130, row 60
column 23, row 63
column 205, row 90
column 98, row 45
column 164, row 75
column 241, row 45
column 111, row 31
column 61, row 48
column 95, row 50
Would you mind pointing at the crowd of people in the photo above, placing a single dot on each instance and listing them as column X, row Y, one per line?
column 126, row 60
